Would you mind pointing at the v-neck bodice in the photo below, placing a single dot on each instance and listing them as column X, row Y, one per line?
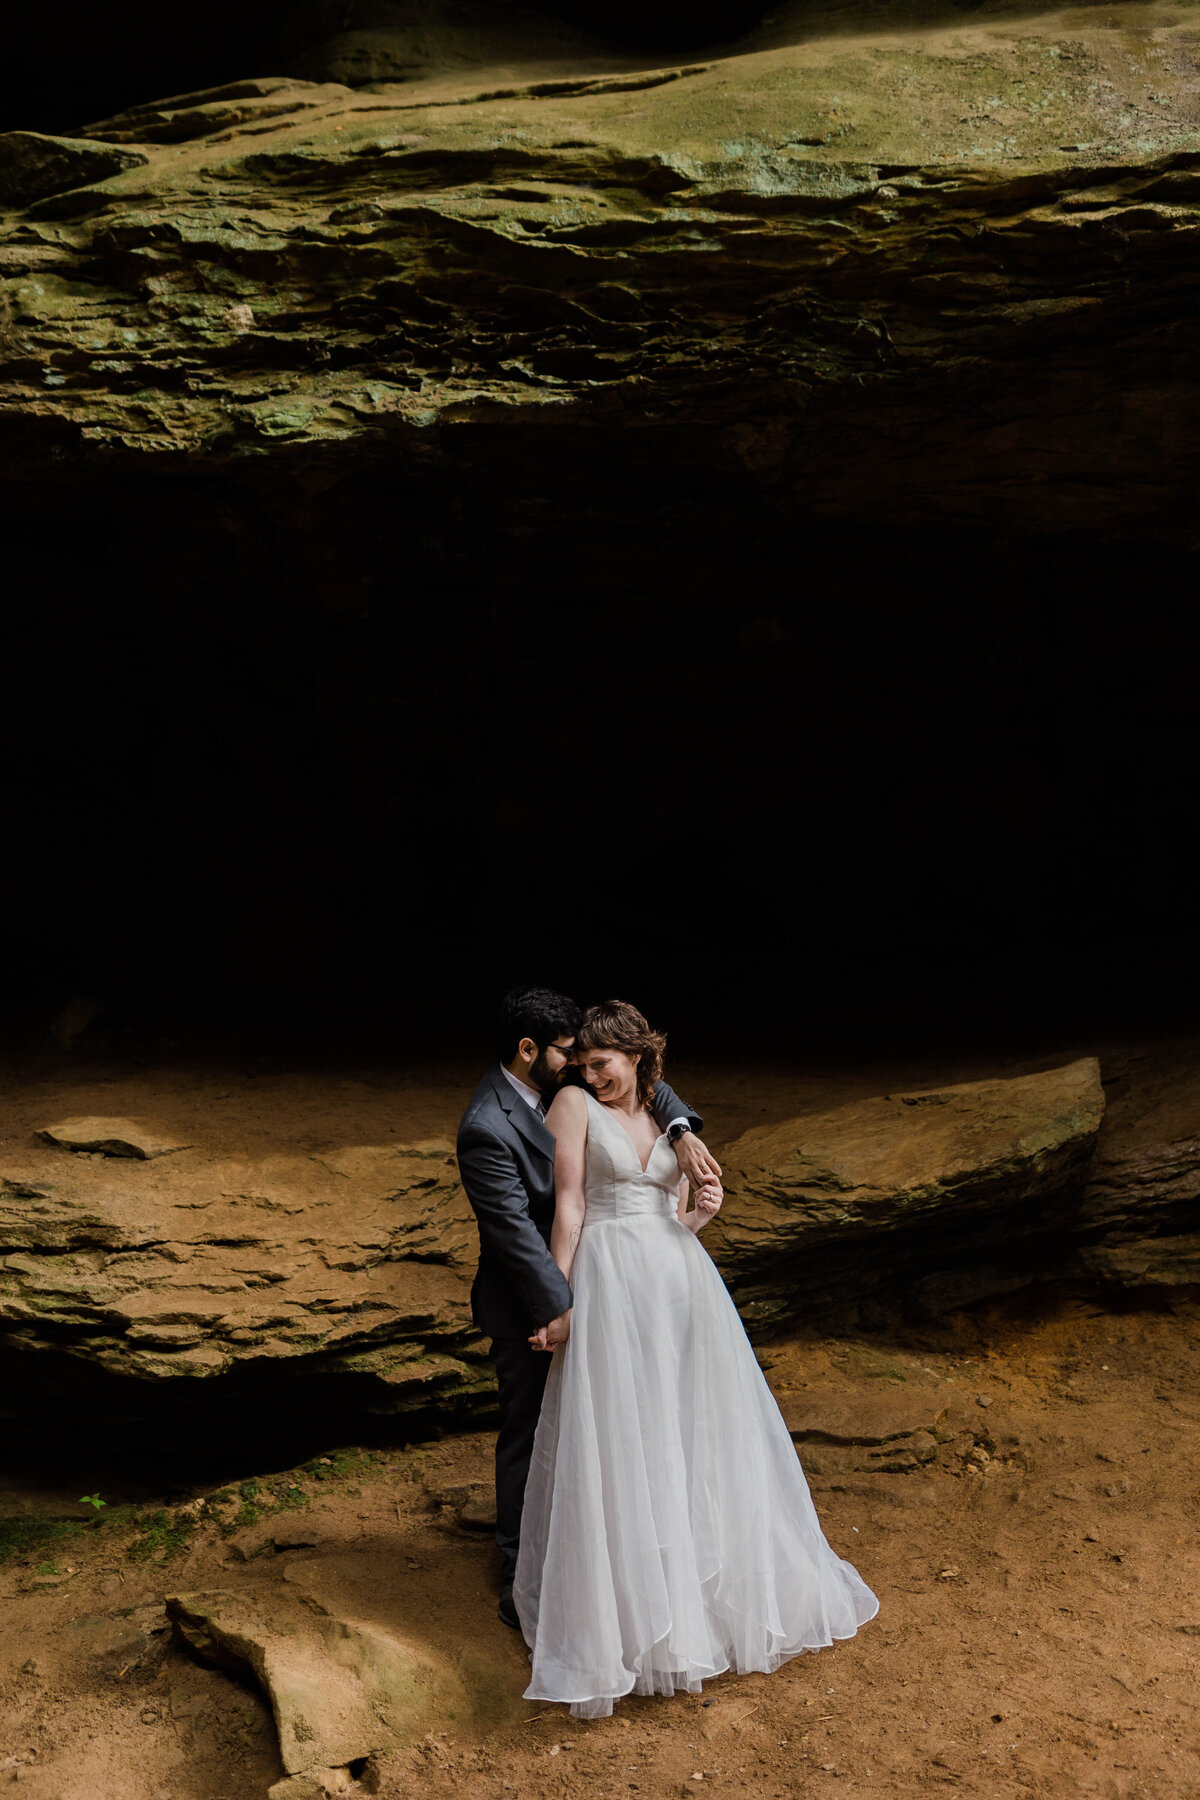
column 615, row 1184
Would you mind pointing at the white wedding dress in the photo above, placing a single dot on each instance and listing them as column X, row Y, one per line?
column 668, row 1533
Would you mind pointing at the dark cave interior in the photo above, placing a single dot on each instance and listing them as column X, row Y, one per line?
column 299, row 751
column 302, row 755
column 119, row 56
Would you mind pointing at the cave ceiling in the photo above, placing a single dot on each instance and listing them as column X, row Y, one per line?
column 804, row 255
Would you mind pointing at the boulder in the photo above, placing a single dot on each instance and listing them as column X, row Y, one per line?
column 303, row 1787
column 968, row 1183
column 362, row 1652
column 339, row 1688
column 33, row 165
column 110, row 1137
column 334, row 1280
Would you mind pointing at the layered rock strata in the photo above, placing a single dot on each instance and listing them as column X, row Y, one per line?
column 336, row 1283
column 355, row 1265
column 972, row 241
column 929, row 1200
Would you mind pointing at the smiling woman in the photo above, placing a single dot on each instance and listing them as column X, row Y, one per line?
column 617, row 1026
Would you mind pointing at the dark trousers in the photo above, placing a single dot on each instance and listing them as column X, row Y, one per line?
column 521, row 1374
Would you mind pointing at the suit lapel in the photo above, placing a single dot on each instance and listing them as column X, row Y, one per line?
column 530, row 1125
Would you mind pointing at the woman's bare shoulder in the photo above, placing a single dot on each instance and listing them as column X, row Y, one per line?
column 569, row 1107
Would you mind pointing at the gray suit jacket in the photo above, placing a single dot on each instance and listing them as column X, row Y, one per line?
column 506, row 1160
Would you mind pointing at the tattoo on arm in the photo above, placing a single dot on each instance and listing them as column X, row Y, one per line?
column 573, row 1240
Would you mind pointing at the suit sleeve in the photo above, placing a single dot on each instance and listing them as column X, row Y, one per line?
column 668, row 1106
column 501, row 1206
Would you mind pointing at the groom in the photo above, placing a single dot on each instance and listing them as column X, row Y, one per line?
column 506, row 1160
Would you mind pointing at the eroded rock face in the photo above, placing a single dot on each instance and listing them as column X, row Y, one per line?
column 825, row 252
column 32, row 165
column 915, row 1196
column 358, row 1262
column 334, row 1284
column 200, row 115
column 1144, row 1262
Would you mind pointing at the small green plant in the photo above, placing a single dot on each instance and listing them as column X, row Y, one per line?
column 249, row 1512
column 287, row 1494
column 160, row 1536
column 92, row 1500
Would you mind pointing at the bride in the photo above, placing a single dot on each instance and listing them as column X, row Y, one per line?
column 668, row 1533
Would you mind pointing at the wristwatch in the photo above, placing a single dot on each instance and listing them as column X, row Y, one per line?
column 676, row 1131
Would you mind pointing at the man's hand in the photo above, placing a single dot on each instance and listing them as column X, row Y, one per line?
column 549, row 1337
column 695, row 1161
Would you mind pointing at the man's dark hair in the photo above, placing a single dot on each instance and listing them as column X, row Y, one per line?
column 537, row 1013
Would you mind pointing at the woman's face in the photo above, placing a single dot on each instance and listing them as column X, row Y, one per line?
column 611, row 1074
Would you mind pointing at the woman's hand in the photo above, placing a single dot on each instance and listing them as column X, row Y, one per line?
column 709, row 1196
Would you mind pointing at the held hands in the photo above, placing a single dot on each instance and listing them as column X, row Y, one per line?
column 696, row 1161
column 709, row 1195
column 549, row 1337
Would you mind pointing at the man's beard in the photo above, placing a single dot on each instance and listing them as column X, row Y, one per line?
column 541, row 1075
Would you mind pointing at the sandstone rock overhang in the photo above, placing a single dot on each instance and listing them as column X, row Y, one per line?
column 917, row 1197
column 944, row 266
column 335, row 1281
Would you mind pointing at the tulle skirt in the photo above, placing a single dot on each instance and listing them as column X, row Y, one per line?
column 668, row 1533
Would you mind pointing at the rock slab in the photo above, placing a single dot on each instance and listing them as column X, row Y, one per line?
column 110, row 1137
column 33, row 165
column 349, row 1271
column 336, row 1282
column 339, row 1688
column 890, row 1191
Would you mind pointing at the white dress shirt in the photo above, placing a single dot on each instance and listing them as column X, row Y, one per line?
column 529, row 1095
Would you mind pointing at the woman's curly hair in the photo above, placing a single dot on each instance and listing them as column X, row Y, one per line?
column 616, row 1025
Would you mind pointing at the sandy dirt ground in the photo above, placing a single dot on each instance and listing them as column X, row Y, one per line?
column 1039, row 1578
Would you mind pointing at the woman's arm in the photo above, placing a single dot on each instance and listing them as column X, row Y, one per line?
column 568, row 1121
